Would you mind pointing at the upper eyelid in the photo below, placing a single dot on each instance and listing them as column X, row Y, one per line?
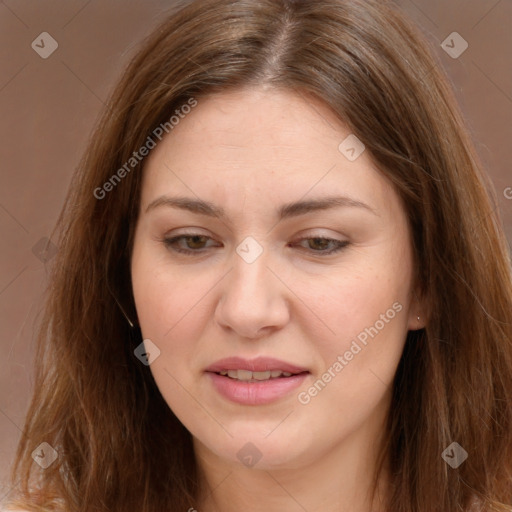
column 197, row 232
column 303, row 237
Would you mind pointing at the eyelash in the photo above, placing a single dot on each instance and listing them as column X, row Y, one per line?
column 168, row 242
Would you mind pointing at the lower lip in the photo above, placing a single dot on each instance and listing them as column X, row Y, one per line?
column 256, row 393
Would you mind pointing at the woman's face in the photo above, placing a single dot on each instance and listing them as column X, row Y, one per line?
column 296, row 265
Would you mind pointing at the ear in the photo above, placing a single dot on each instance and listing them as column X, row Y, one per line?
column 418, row 311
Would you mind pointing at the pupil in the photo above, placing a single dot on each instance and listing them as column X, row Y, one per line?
column 196, row 240
column 321, row 243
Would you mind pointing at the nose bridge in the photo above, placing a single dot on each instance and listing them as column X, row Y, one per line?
column 250, row 277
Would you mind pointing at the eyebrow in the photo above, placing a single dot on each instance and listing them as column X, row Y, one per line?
column 286, row 211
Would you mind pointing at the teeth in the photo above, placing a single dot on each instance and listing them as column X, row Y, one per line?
column 246, row 375
column 261, row 375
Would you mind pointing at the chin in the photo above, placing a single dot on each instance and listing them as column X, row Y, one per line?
column 268, row 450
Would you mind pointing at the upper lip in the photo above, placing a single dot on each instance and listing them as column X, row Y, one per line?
column 259, row 364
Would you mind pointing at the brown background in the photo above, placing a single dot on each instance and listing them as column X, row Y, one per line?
column 48, row 107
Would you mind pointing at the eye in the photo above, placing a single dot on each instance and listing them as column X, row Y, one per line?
column 193, row 242
column 321, row 245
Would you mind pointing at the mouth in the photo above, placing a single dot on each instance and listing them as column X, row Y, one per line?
column 257, row 381
column 250, row 376
column 259, row 369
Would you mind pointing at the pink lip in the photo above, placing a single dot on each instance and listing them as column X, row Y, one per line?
column 255, row 393
column 260, row 364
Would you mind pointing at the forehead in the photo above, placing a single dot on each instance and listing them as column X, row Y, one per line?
column 254, row 118
column 279, row 144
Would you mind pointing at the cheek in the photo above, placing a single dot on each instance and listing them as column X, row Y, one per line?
column 163, row 295
column 358, row 362
column 174, row 309
column 365, row 307
column 351, row 303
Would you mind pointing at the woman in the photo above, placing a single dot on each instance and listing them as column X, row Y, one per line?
column 281, row 284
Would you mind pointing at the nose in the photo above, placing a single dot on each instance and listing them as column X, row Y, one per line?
column 253, row 301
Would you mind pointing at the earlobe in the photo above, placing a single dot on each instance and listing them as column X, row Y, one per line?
column 418, row 319
column 416, row 322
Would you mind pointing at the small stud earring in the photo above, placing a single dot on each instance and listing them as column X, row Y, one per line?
column 418, row 319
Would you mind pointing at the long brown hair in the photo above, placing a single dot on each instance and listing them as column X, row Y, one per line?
column 120, row 447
